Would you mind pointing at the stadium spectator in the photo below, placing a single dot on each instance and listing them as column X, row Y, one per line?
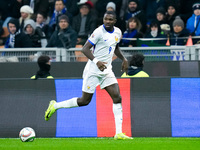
column 26, row 13
column 120, row 24
column 44, row 68
column 161, row 15
column 134, row 10
column 16, row 39
column 85, row 22
column 100, row 7
column 36, row 35
column 71, row 6
column 135, row 68
column 179, row 30
column 124, row 8
column 171, row 14
column 184, row 7
column 41, row 23
column 193, row 23
column 155, row 32
column 133, row 31
column 37, row 6
column 59, row 10
column 65, row 36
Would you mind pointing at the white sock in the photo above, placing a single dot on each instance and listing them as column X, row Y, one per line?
column 117, row 110
column 67, row 103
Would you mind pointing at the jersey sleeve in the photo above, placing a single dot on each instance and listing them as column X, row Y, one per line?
column 120, row 36
column 93, row 39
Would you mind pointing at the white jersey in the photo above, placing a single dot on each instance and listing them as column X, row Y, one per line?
column 104, row 43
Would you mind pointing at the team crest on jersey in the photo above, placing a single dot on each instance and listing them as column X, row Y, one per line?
column 116, row 39
column 88, row 87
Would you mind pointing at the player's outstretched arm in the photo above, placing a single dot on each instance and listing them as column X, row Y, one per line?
column 119, row 54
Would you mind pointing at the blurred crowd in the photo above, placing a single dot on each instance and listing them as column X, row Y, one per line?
column 68, row 23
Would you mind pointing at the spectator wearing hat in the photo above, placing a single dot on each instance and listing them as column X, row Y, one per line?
column 16, row 39
column 85, row 22
column 134, row 10
column 171, row 14
column 193, row 23
column 26, row 13
column 65, row 36
column 36, row 35
column 41, row 6
column 59, row 10
column 161, row 15
column 112, row 7
column 100, row 6
column 185, row 8
column 179, row 30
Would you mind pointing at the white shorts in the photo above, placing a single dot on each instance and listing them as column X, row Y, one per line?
column 91, row 81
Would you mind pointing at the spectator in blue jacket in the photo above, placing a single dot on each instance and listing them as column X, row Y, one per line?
column 133, row 31
column 59, row 10
column 193, row 23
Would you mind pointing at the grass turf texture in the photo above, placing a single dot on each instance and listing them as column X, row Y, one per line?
column 101, row 144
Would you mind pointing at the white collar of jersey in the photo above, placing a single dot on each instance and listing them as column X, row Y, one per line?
column 107, row 30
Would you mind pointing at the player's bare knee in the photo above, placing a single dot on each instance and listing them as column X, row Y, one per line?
column 117, row 99
column 83, row 102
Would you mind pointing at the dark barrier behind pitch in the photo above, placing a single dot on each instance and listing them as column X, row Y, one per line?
column 160, row 107
column 75, row 69
column 23, row 103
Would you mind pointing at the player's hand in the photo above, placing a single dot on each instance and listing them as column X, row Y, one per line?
column 125, row 66
column 101, row 65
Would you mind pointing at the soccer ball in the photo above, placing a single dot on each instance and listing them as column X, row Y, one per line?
column 27, row 134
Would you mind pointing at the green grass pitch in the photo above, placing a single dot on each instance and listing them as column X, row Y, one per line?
column 101, row 144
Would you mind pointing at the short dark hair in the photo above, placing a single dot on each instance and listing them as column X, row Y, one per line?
column 111, row 13
column 60, row 0
column 137, row 60
column 43, row 59
column 43, row 14
column 155, row 23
